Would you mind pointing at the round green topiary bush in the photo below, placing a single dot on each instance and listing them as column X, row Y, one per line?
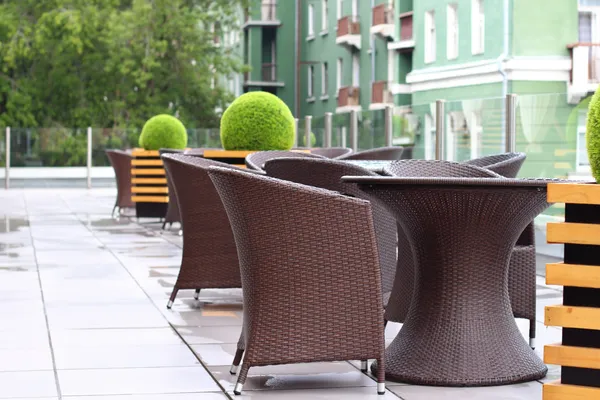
column 592, row 135
column 163, row 131
column 313, row 139
column 257, row 121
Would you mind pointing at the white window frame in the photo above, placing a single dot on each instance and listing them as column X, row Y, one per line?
column 430, row 37
column 339, row 8
column 311, row 81
column 477, row 26
column 452, row 31
column 355, row 70
column 324, row 15
column 429, row 132
column 311, row 20
column 339, row 74
column 354, row 9
column 581, row 143
column 324, row 78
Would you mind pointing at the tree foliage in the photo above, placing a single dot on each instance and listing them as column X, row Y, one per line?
column 114, row 63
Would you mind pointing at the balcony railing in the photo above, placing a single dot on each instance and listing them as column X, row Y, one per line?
column 383, row 14
column 585, row 69
column 269, row 73
column 268, row 13
column 406, row 26
column 380, row 93
column 348, row 25
column 349, row 96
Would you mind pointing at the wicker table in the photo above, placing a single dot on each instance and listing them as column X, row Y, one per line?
column 376, row 166
column 460, row 330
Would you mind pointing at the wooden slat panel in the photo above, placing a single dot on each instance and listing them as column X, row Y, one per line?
column 573, row 317
column 239, row 165
column 570, row 232
column 226, row 153
column 575, row 193
column 147, row 162
column 558, row 391
column 570, row 356
column 573, row 275
column 148, row 171
column 141, row 181
column 150, row 199
column 145, row 153
column 149, row 189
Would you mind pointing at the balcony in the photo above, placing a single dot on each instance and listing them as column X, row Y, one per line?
column 348, row 32
column 268, row 77
column 585, row 70
column 348, row 99
column 267, row 16
column 381, row 95
column 407, row 40
column 383, row 21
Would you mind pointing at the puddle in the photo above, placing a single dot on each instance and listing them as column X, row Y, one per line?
column 12, row 224
column 14, row 269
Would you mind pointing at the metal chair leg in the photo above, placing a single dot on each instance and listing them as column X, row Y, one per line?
column 236, row 361
column 532, row 333
column 241, row 380
column 172, row 298
column 381, row 376
column 197, row 294
column 364, row 366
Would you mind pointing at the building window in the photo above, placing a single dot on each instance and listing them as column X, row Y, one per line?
column 338, row 9
column 430, row 48
column 324, row 79
column 311, row 81
column 355, row 70
column 478, row 27
column 452, row 35
column 324, row 14
column 311, row 17
column 339, row 74
column 583, row 162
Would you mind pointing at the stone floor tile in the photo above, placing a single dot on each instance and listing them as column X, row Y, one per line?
column 523, row 391
column 136, row 381
column 182, row 396
column 358, row 393
column 23, row 359
column 20, row 384
column 108, row 316
column 215, row 354
column 18, row 338
column 114, row 337
column 210, row 334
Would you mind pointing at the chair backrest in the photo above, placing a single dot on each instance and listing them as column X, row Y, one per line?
column 505, row 164
column 256, row 161
column 305, row 253
column 437, row 169
column 169, row 151
column 331, row 152
column 206, row 230
column 327, row 174
column 381, row 153
column 121, row 163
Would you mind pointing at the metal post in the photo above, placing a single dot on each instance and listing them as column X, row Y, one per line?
column 389, row 127
column 440, row 129
column 295, row 132
column 7, row 160
column 328, row 121
column 89, row 157
column 510, row 144
column 354, row 130
column 307, row 131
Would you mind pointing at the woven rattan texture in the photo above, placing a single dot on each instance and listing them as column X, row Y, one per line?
column 257, row 160
column 327, row 174
column 505, row 164
column 121, row 163
column 308, row 260
column 172, row 214
column 209, row 253
column 381, row 153
column 460, row 330
column 332, row 152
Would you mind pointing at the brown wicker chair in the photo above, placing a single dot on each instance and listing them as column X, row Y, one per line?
column 327, row 174
column 121, row 163
column 381, row 153
column 172, row 214
column 256, row 161
column 332, row 152
column 308, row 260
column 522, row 270
column 210, row 257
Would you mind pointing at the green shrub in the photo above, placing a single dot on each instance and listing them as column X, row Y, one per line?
column 257, row 121
column 163, row 131
column 592, row 135
column 313, row 139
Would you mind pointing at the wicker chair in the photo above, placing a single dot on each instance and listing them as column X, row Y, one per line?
column 172, row 214
column 121, row 163
column 522, row 271
column 256, row 161
column 332, row 152
column 381, row 153
column 327, row 174
column 210, row 257
column 309, row 268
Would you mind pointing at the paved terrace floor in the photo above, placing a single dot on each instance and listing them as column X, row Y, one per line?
column 83, row 316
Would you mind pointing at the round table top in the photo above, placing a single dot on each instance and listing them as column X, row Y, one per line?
column 424, row 181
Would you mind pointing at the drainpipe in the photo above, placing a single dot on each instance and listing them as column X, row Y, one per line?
column 372, row 48
column 297, row 66
column 504, row 56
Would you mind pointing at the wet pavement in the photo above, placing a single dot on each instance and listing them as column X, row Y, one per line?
column 83, row 316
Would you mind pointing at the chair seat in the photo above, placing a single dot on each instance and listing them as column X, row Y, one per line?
column 521, row 278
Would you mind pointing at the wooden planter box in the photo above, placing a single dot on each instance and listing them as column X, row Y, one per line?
column 149, row 189
column 579, row 315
